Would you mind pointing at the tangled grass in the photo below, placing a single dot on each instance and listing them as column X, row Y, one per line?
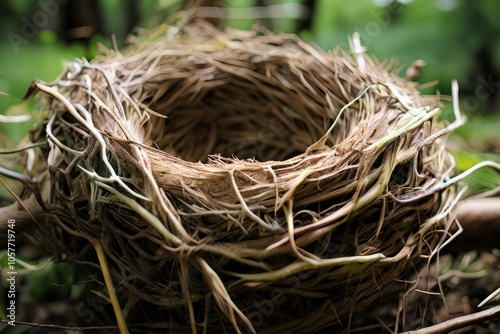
column 240, row 181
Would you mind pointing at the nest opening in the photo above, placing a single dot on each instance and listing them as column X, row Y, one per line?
column 238, row 120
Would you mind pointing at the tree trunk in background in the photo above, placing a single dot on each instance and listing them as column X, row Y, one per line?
column 307, row 23
column 480, row 220
column 81, row 20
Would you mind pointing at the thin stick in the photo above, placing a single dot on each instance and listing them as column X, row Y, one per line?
column 122, row 325
column 460, row 322
column 490, row 297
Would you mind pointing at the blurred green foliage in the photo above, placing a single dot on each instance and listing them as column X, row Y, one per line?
column 483, row 179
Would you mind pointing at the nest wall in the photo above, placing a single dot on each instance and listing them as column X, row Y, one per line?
column 241, row 181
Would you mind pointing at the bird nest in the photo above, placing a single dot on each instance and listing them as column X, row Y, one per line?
column 240, row 181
